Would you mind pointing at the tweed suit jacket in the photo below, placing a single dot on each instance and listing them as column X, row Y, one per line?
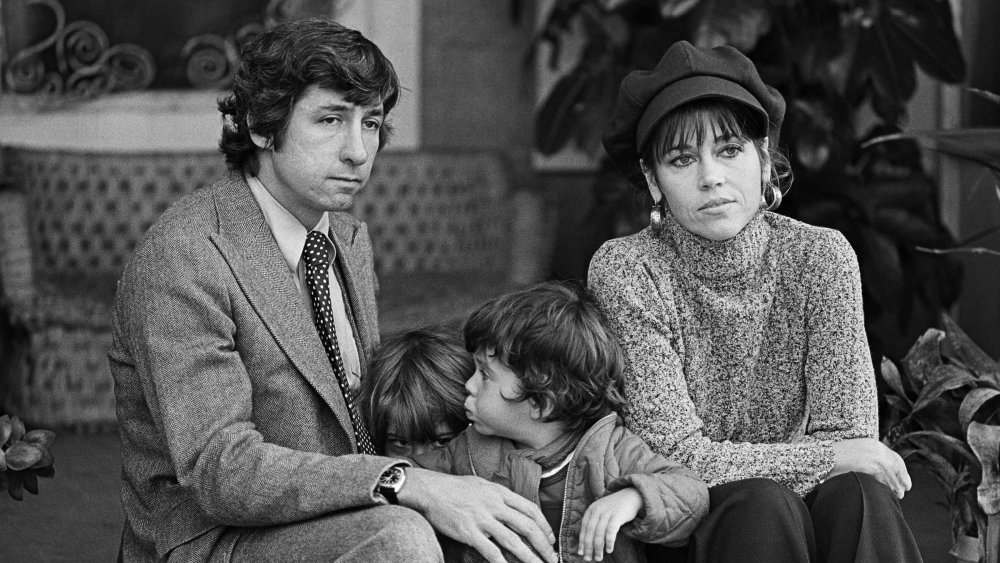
column 229, row 411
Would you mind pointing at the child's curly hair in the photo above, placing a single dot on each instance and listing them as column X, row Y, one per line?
column 555, row 338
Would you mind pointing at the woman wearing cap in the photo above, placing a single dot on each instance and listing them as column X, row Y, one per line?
column 743, row 328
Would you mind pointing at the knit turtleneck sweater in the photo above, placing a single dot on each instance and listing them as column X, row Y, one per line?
column 746, row 357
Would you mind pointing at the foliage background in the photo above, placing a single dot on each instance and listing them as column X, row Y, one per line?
column 847, row 69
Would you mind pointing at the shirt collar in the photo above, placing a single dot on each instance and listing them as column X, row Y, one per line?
column 287, row 230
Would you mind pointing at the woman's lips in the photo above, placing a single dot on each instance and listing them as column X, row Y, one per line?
column 717, row 202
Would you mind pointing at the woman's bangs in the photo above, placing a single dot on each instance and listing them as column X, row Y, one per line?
column 689, row 125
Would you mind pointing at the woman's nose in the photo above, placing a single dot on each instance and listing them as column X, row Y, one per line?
column 711, row 174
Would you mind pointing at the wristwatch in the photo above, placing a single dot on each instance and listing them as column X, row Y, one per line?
column 390, row 483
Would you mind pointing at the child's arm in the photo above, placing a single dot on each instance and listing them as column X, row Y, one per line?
column 602, row 520
column 674, row 499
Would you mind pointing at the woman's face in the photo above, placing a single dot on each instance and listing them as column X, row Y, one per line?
column 713, row 190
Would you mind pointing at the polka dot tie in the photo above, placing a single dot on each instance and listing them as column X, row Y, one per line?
column 317, row 255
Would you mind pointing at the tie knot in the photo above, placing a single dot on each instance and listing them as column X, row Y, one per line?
column 317, row 250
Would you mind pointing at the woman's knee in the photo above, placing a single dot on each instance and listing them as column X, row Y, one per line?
column 754, row 496
column 852, row 488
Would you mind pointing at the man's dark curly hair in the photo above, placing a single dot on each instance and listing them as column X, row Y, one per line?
column 276, row 67
column 555, row 338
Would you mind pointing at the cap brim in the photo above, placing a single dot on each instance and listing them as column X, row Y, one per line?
column 688, row 90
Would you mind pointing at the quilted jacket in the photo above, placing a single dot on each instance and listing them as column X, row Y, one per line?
column 609, row 457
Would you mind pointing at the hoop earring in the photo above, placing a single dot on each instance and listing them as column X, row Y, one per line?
column 656, row 218
column 775, row 199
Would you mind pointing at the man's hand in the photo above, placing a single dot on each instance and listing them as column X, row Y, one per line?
column 602, row 521
column 867, row 455
column 474, row 511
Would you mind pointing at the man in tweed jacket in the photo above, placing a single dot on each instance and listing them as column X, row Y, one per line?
column 237, row 442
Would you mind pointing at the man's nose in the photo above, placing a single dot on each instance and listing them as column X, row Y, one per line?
column 354, row 149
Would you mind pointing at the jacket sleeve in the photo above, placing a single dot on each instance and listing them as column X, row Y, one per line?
column 175, row 318
column 674, row 499
column 634, row 293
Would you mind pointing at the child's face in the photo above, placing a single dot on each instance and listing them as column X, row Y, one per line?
column 489, row 405
column 398, row 445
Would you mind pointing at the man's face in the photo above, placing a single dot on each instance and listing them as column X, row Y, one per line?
column 325, row 157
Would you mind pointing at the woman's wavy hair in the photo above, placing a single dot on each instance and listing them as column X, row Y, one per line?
column 686, row 125
column 276, row 67
column 416, row 381
column 554, row 337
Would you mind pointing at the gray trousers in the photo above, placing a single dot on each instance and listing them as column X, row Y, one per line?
column 375, row 534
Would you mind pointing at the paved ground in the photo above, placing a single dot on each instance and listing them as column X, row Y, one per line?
column 77, row 516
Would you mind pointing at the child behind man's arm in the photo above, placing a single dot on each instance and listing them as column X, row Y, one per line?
column 413, row 397
column 543, row 403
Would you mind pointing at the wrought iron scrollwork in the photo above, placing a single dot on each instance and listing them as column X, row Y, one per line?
column 86, row 62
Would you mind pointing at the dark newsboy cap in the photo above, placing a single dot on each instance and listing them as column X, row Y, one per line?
column 684, row 74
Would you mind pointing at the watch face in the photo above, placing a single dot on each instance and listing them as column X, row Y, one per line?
column 392, row 478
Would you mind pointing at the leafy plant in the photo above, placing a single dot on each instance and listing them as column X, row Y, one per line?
column 24, row 457
column 944, row 384
column 838, row 64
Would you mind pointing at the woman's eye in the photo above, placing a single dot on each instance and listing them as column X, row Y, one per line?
column 732, row 150
column 682, row 160
column 400, row 443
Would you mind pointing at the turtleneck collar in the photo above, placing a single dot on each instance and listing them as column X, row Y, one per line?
column 719, row 259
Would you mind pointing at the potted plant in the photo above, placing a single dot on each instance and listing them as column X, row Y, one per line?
column 24, row 457
column 944, row 402
column 944, row 385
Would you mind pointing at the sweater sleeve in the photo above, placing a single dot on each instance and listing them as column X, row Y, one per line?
column 660, row 408
column 840, row 379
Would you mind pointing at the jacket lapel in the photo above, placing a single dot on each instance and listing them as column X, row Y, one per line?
column 344, row 233
column 248, row 246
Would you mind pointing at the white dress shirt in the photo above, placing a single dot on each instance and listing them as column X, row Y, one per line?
column 291, row 236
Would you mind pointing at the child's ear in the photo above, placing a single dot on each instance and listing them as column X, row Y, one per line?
column 538, row 412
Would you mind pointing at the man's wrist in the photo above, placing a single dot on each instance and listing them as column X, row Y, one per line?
column 390, row 483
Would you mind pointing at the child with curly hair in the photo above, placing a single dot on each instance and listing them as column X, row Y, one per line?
column 545, row 403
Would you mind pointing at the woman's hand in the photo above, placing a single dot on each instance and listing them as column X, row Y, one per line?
column 867, row 455
column 602, row 520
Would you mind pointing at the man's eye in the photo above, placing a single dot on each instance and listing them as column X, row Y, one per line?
column 331, row 120
column 373, row 124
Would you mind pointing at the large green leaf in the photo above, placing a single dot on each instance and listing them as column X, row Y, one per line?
column 926, row 29
column 556, row 120
column 890, row 374
column 940, row 443
column 889, row 69
column 975, row 400
column 979, row 145
column 924, row 357
column 936, row 387
column 958, row 347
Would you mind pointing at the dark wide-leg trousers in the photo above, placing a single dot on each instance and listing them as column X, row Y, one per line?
column 849, row 518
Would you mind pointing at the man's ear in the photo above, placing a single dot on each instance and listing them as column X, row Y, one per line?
column 261, row 142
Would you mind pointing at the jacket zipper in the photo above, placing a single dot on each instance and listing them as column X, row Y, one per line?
column 565, row 506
